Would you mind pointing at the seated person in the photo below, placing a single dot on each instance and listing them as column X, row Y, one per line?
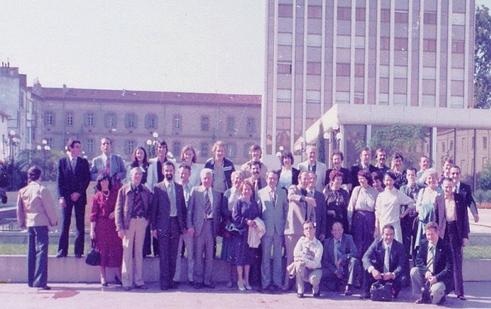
column 383, row 262
column 339, row 262
column 306, row 264
column 433, row 267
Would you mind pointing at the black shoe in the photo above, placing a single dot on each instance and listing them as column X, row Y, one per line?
column 300, row 295
column 164, row 288
column 61, row 255
column 127, row 288
column 45, row 288
column 105, row 284
column 316, row 295
column 209, row 286
column 78, row 256
column 141, row 287
column 348, row 291
column 365, row 296
column 442, row 301
column 117, row 280
column 174, row 285
column 198, row 285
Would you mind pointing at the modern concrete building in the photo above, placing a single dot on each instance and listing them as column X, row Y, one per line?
column 131, row 118
column 354, row 65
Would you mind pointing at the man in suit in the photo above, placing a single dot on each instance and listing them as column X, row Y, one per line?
column 337, row 159
column 452, row 218
column 203, row 220
column 108, row 164
column 256, row 179
column 433, row 266
column 383, row 262
column 168, row 222
column 380, row 158
column 464, row 190
column 312, row 165
column 301, row 208
column 73, row 180
column 274, row 207
column 339, row 262
column 320, row 207
column 363, row 164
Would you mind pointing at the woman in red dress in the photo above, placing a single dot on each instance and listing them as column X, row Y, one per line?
column 103, row 228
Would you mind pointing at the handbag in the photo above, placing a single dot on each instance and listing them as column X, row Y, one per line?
column 381, row 292
column 94, row 256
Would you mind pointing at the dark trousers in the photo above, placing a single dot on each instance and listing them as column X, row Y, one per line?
column 349, row 269
column 452, row 236
column 368, row 280
column 150, row 243
column 66, row 215
column 362, row 229
column 37, row 256
column 168, row 245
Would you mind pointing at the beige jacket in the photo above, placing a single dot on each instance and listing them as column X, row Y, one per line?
column 36, row 206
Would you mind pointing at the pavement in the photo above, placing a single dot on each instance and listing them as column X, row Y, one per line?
column 88, row 296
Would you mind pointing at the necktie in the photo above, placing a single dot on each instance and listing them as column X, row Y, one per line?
column 73, row 163
column 387, row 260
column 170, row 192
column 430, row 260
column 207, row 204
column 108, row 165
column 336, row 251
column 273, row 197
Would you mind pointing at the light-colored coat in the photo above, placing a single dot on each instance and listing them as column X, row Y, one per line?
column 298, row 211
column 196, row 210
column 320, row 172
column 124, row 205
column 274, row 216
column 36, row 206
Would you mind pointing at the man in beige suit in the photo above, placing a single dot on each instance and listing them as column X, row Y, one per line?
column 203, row 219
column 301, row 208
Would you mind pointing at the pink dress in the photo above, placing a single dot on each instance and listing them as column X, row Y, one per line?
column 107, row 241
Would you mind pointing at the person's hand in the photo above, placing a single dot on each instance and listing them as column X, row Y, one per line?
column 376, row 233
column 465, row 242
column 121, row 234
column 75, row 196
column 154, row 234
column 191, row 231
column 338, row 263
column 432, row 280
column 62, row 202
column 92, row 235
column 388, row 276
column 428, row 275
column 111, row 215
column 250, row 222
column 310, row 201
column 476, row 218
column 376, row 274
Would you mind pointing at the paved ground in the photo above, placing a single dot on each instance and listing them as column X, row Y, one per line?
column 92, row 296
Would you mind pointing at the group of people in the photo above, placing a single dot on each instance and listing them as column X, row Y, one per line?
column 337, row 228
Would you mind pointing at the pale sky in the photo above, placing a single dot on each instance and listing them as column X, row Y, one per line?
column 172, row 45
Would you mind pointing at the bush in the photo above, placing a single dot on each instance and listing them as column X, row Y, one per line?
column 482, row 196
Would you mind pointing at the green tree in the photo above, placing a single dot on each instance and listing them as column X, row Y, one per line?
column 482, row 58
column 484, row 178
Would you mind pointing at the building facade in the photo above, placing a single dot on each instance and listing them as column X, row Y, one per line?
column 135, row 118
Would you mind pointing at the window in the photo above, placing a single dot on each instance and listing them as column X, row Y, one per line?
column 484, row 142
column 204, row 150
column 176, row 149
column 400, row 43
column 429, row 45
column 385, row 15
column 129, row 145
column 49, row 118
column 313, row 96
column 284, row 38
column 110, row 121
column 69, row 119
column 90, row 119
column 50, row 142
column 285, row 10
column 429, row 18
column 401, row 17
column 342, row 69
column 231, row 124
column 314, row 40
column 251, row 125
column 344, row 13
column 177, row 121
column 231, row 150
column 360, row 14
column 384, row 43
column 89, row 147
column 458, row 47
column 284, row 68
column 451, row 145
column 359, row 70
column 284, row 95
column 205, row 123
column 314, row 11
column 130, row 121
column 313, row 68
column 151, row 121
column 443, row 147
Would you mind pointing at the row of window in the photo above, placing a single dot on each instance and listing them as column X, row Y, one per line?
column 150, row 120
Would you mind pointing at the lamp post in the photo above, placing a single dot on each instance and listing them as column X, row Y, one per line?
column 44, row 147
column 152, row 144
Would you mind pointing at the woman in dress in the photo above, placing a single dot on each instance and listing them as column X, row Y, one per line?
column 103, row 228
column 139, row 158
column 221, row 166
column 361, row 212
column 188, row 157
column 425, row 204
column 336, row 201
column 287, row 174
column 388, row 207
column 230, row 198
column 244, row 212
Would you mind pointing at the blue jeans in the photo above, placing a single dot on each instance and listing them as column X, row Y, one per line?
column 37, row 256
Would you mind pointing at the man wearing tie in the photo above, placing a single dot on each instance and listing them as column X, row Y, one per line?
column 108, row 164
column 168, row 223
column 320, row 208
column 301, row 208
column 465, row 191
column 256, row 179
column 274, row 207
column 433, row 267
column 312, row 165
column 203, row 220
column 383, row 262
column 73, row 180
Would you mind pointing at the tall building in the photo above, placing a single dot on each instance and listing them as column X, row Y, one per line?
column 355, row 66
column 137, row 118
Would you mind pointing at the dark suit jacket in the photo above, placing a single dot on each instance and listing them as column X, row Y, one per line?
column 347, row 249
column 320, row 215
column 442, row 266
column 196, row 210
column 160, row 218
column 376, row 253
column 460, row 212
column 466, row 192
column 70, row 181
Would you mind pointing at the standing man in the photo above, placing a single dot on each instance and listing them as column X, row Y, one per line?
column 320, row 208
column 36, row 212
column 300, row 209
column 133, row 209
column 312, row 165
column 256, row 179
column 380, row 157
column 363, row 164
column 337, row 159
column 203, row 220
column 168, row 222
column 424, row 164
column 452, row 218
column 464, row 190
column 73, row 180
column 108, row 164
column 274, row 207
column 433, row 267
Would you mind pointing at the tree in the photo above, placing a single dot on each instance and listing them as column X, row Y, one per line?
column 484, row 178
column 482, row 58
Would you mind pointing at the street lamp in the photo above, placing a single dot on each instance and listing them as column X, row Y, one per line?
column 44, row 147
column 152, row 144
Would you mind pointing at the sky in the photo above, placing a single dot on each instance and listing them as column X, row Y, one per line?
column 171, row 45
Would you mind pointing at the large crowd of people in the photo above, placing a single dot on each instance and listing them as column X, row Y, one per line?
column 338, row 229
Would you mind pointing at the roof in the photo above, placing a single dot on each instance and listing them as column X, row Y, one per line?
column 144, row 96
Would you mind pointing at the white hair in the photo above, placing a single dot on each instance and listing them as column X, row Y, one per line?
column 136, row 169
column 205, row 171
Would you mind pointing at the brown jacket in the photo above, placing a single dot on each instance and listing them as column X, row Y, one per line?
column 36, row 206
column 124, row 205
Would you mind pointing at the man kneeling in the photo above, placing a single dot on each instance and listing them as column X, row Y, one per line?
column 306, row 264
column 432, row 274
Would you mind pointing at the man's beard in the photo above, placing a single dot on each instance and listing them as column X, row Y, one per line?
column 169, row 177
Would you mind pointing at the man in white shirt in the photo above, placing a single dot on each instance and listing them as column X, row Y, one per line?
column 312, row 165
